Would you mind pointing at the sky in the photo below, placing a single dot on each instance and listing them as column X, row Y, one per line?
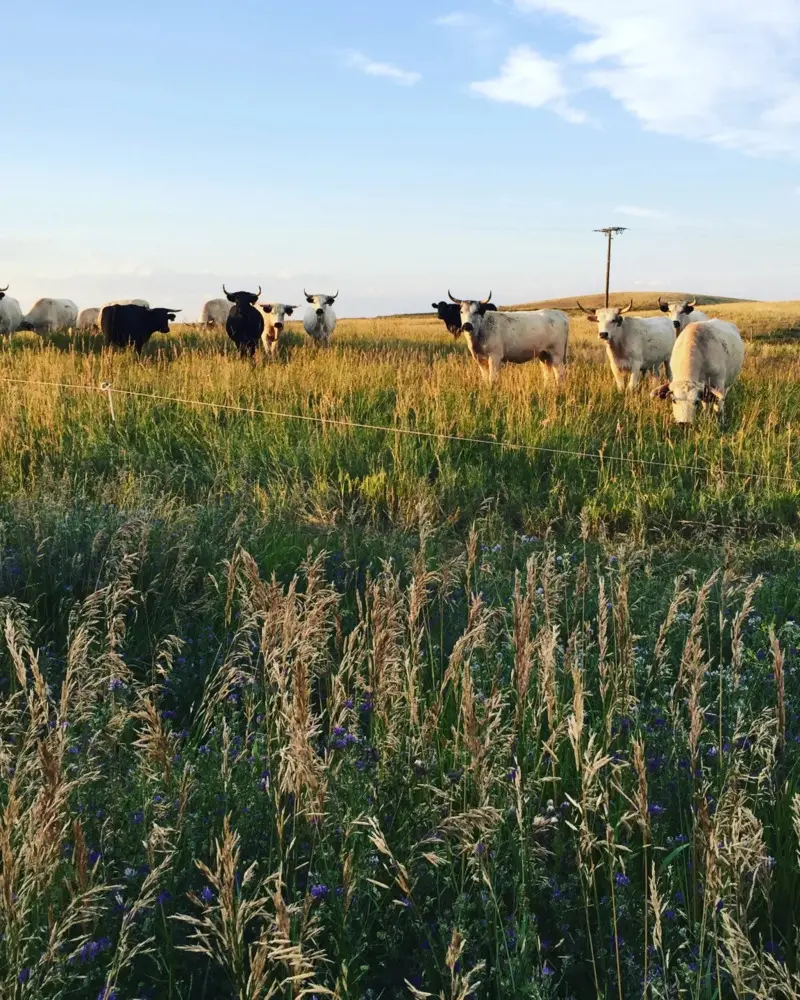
column 392, row 149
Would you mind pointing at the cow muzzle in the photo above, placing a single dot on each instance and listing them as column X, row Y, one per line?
column 603, row 335
column 468, row 328
column 320, row 313
column 677, row 326
column 279, row 327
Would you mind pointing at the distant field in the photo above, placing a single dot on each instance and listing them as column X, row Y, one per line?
column 604, row 615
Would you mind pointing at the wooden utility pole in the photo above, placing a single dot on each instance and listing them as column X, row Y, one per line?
column 610, row 232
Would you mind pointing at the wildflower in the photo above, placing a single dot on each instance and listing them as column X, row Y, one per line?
column 622, row 879
column 115, row 684
column 203, row 750
column 24, row 976
column 107, row 993
column 655, row 809
column 168, row 714
column 163, row 898
column 548, row 970
column 319, row 891
column 94, row 857
column 206, row 894
column 138, row 817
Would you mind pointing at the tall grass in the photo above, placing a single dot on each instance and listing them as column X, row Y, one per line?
column 291, row 709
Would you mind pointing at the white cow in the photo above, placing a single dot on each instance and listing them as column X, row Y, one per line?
column 518, row 337
column 320, row 320
column 89, row 319
column 706, row 359
column 47, row 315
column 682, row 313
column 120, row 302
column 633, row 343
column 275, row 316
column 10, row 313
column 215, row 312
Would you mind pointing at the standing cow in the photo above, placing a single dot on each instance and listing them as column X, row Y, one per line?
column 319, row 321
column 125, row 325
column 516, row 338
column 682, row 313
column 10, row 313
column 706, row 359
column 215, row 313
column 275, row 316
column 48, row 315
column 450, row 314
column 89, row 319
column 244, row 324
column 120, row 302
column 633, row 343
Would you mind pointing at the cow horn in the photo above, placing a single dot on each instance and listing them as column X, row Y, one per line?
column 5, row 289
column 305, row 292
column 589, row 312
column 336, row 296
column 691, row 305
column 627, row 309
column 259, row 291
column 486, row 301
column 453, row 298
column 224, row 289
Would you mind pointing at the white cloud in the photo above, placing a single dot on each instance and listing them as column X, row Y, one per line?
column 725, row 71
column 529, row 79
column 357, row 60
column 457, row 19
column 640, row 213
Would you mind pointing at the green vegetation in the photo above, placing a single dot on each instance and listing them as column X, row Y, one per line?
column 292, row 708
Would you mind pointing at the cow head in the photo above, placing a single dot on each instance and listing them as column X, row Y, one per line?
column 242, row 299
column 3, row 292
column 609, row 321
column 472, row 313
column 678, row 312
column 277, row 314
column 686, row 395
column 160, row 319
column 320, row 302
column 450, row 315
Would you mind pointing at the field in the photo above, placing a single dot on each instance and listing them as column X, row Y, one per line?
column 295, row 707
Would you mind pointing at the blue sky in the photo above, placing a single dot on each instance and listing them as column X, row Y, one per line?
column 392, row 149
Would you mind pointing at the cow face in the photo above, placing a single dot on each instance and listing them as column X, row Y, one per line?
column 450, row 315
column 678, row 312
column 472, row 314
column 320, row 302
column 277, row 313
column 160, row 319
column 242, row 299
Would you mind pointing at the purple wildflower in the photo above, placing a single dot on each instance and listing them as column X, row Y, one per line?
column 206, row 894
column 319, row 891
column 622, row 879
column 24, row 976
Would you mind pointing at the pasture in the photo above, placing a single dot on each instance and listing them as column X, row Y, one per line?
column 291, row 707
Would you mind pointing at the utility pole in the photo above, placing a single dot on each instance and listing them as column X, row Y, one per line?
column 610, row 232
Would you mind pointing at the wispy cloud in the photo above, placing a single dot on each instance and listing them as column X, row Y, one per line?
column 529, row 79
column 640, row 213
column 357, row 60
column 457, row 19
column 723, row 71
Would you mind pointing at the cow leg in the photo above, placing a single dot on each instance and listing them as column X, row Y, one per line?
column 545, row 369
column 558, row 373
column 636, row 372
column 619, row 376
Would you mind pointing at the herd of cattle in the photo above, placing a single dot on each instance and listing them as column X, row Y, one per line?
column 702, row 356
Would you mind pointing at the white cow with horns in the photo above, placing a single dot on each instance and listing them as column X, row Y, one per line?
column 10, row 312
column 682, row 313
column 275, row 316
column 47, row 315
column 319, row 321
column 706, row 359
column 215, row 312
column 514, row 338
column 633, row 343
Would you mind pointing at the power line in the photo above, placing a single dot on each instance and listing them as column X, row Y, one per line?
column 108, row 389
column 610, row 232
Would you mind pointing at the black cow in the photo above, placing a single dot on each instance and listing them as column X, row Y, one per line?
column 126, row 325
column 450, row 315
column 245, row 324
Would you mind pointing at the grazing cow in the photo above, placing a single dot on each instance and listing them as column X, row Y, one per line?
column 682, row 313
column 120, row 302
column 10, row 313
column 706, row 360
column 128, row 324
column 320, row 320
column 495, row 337
column 633, row 343
column 450, row 314
column 50, row 314
column 88, row 319
column 215, row 313
column 244, row 324
column 275, row 315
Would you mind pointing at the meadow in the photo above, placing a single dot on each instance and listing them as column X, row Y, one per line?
column 295, row 707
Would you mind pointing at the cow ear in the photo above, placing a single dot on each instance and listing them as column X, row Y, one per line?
column 664, row 307
column 592, row 317
column 662, row 392
column 482, row 308
column 289, row 310
column 310, row 298
column 267, row 307
column 330, row 300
